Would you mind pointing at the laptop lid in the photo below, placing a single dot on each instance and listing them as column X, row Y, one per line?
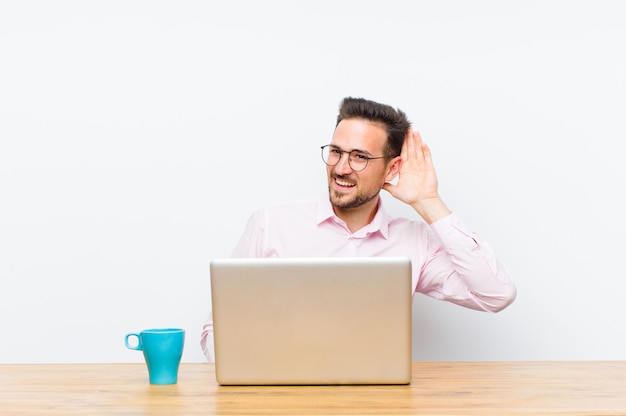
column 312, row 320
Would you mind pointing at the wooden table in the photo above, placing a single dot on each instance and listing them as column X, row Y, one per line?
column 452, row 388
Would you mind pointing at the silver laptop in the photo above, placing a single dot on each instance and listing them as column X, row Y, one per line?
column 305, row 321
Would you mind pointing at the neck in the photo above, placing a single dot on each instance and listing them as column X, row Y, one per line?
column 358, row 217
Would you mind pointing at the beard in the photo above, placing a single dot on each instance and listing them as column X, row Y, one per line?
column 347, row 202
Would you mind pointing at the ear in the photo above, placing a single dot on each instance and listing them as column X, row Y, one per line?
column 393, row 168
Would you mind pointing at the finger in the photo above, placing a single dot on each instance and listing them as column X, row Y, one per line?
column 404, row 153
column 417, row 145
column 417, row 137
column 427, row 154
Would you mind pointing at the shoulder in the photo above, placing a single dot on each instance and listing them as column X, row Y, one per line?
column 403, row 224
column 401, row 218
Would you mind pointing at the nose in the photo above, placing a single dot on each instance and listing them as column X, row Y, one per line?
column 343, row 166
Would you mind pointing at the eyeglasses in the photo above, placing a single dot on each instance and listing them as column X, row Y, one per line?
column 331, row 155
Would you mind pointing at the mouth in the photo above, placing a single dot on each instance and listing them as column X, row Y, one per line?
column 343, row 184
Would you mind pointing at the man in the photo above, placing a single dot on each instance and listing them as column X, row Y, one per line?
column 373, row 144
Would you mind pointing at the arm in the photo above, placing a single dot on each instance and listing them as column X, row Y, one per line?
column 248, row 246
column 206, row 340
column 461, row 267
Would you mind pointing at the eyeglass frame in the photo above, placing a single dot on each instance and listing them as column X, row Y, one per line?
column 359, row 152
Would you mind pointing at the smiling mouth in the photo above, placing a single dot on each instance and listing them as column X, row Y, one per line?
column 343, row 183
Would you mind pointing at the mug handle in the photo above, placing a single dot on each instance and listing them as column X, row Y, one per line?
column 132, row 347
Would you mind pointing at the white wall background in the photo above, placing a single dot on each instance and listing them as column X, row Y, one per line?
column 136, row 137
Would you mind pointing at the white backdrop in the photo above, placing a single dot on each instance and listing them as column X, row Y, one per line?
column 138, row 136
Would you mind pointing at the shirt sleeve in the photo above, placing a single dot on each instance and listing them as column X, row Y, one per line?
column 206, row 340
column 251, row 243
column 462, row 268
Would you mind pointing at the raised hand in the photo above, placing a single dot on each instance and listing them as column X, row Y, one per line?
column 417, row 180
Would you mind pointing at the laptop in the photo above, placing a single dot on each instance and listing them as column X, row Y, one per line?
column 312, row 321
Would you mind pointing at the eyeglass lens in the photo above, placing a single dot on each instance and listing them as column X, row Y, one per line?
column 357, row 160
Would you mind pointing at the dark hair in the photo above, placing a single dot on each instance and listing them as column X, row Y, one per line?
column 393, row 120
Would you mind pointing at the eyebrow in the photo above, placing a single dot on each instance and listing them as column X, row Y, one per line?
column 353, row 150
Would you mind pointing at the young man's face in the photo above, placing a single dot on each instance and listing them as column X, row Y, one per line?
column 347, row 187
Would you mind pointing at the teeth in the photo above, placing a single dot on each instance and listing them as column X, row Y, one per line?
column 342, row 183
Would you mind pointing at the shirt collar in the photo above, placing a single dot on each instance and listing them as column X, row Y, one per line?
column 379, row 224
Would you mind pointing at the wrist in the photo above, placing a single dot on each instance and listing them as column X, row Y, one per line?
column 431, row 209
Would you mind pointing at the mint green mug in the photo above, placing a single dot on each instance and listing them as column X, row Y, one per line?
column 162, row 349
